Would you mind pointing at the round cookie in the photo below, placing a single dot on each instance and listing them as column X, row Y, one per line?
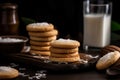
column 43, row 53
column 63, row 60
column 58, row 55
column 8, row 72
column 63, row 50
column 41, row 48
column 43, row 26
column 107, row 60
column 50, row 33
column 65, row 43
column 43, row 38
column 39, row 43
column 110, row 48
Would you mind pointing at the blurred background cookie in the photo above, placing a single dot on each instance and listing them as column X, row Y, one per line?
column 109, row 48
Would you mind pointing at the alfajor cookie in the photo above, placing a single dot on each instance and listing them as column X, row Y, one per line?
column 41, row 48
column 64, row 55
column 109, row 48
column 65, row 43
column 8, row 72
column 51, row 38
column 43, row 26
column 41, row 53
column 65, row 59
column 107, row 60
column 64, row 50
column 40, row 43
column 44, row 34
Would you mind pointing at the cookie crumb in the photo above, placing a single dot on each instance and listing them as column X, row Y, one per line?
column 10, row 40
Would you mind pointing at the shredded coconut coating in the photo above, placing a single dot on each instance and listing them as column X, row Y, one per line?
column 39, row 24
column 107, row 57
column 10, row 40
column 5, row 69
column 65, row 40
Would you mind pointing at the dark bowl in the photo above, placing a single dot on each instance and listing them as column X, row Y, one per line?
column 12, row 44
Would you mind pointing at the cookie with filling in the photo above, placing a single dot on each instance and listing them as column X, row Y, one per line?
column 43, row 26
column 107, row 60
column 50, row 33
column 65, row 43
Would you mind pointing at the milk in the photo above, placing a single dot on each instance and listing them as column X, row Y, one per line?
column 96, row 30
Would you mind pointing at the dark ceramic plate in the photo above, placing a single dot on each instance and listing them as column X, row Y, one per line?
column 88, row 62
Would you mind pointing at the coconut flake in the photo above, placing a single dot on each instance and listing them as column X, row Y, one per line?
column 10, row 40
column 64, row 40
column 83, row 61
column 40, row 24
column 5, row 69
column 107, row 57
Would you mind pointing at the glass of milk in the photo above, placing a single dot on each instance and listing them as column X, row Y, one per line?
column 97, row 24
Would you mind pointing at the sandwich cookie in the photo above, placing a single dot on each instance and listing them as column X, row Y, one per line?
column 44, row 34
column 109, row 48
column 43, row 26
column 107, row 60
column 40, row 43
column 43, row 38
column 40, row 53
column 41, row 48
column 64, row 50
column 64, row 55
column 65, row 59
column 65, row 43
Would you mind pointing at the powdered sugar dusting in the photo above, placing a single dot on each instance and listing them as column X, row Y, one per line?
column 83, row 61
column 10, row 40
column 23, row 72
column 38, row 75
column 5, row 69
column 107, row 57
column 64, row 40
column 40, row 24
column 92, row 56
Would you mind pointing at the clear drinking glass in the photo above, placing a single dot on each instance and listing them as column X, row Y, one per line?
column 97, row 24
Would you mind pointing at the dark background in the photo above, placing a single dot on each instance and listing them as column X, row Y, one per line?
column 66, row 15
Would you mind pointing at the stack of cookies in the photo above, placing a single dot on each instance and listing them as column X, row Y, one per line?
column 64, row 50
column 41, row 35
